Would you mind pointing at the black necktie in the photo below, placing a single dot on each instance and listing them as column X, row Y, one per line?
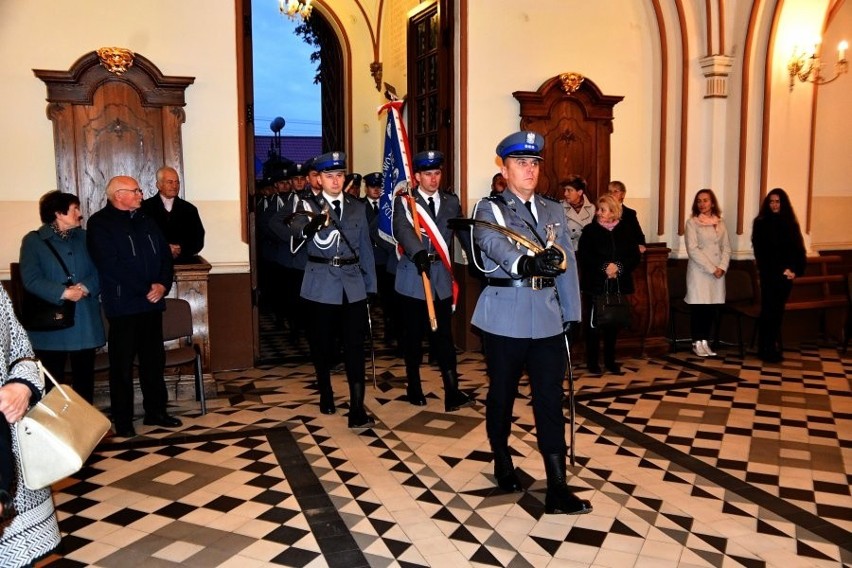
column 336, row 205
column 432, row 206
column 529, row 208
column 376, row 207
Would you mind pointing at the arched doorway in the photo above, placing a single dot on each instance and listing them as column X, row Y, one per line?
column 333, row 109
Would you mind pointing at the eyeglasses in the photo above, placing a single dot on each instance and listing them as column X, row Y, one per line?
column 137, row 190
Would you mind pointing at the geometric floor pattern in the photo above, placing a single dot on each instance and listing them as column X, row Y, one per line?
column 687, row 462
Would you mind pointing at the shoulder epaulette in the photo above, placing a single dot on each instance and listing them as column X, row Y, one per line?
column 553, row 199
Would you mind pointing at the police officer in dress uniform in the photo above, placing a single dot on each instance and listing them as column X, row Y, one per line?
column 293, row 245
column 528, row 303
column 339, row 273
column 382, row 252
column 421, row 256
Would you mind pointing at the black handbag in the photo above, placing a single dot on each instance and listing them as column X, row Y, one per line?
column 40, row 315
column 611, row 309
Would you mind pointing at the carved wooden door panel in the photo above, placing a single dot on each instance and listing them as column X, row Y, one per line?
column 117, row 136
column 113, row 113
column 576, row 127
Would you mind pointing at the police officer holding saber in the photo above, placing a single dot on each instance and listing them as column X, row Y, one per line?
column 523, row 312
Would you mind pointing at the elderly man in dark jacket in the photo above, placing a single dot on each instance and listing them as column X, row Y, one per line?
column 135, row 267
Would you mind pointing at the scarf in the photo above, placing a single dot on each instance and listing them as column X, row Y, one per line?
column 64, row 235
column 608, row 226
column 711, row 220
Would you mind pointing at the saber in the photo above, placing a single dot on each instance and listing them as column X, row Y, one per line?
column 372, row 348
column 571, row 408
column 462, row 223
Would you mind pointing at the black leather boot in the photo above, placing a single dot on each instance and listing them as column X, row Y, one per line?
column 453, row 397
column 504, row 471
column 326, row 395
column 414, row 391
column 358, row 417
column 560, row 499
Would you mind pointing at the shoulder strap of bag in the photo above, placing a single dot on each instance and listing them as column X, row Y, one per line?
column 59, row 258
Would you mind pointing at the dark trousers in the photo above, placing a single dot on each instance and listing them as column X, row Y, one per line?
column 702, row 317
column 774, row 291
column 415, row 324
column 545, row 361
column 82, row 369
column 350, row 321
column 388, row 301
column 593, row 339
column 137, row 335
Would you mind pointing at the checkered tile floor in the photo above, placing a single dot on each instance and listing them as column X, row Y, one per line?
column 687, row 462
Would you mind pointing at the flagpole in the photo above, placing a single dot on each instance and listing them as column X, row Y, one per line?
column 427, row 284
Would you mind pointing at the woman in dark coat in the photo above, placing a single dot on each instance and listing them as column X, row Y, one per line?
column 608, row 253
column 43, row 276
column 780, row 254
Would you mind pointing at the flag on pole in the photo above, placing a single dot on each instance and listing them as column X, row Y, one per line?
column 396, row 166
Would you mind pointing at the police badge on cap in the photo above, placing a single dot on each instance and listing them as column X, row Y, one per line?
column 523, row 144
column 330, row 162
column 428, row 160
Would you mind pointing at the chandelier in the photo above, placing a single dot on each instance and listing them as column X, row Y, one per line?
column 293, row 8
column 808, row 67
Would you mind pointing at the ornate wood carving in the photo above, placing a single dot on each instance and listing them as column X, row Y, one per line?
column 107, row 123
column 576, row 129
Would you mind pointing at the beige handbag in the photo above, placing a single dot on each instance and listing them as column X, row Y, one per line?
column 58, row 434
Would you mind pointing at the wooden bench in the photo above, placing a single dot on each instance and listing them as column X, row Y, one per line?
column 821, row 288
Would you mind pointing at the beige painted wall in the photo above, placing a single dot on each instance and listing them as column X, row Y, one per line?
column 167, row 33
column 513, row 48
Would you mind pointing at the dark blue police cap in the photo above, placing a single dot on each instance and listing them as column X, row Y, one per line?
column 375, row 179
column 297, row 170
column 330, row 162
column 354, row 178
column 524, row 144
column 428, row 160
column 310, row 165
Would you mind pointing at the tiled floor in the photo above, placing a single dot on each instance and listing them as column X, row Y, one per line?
column 687, row 463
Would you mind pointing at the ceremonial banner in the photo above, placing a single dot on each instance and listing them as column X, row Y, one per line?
column 396, row 166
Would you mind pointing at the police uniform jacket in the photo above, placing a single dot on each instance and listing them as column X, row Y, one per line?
column 131, row 254
column 279, row 230
column 408, row 280
column 323, row 282
column 382, row 249
column 523, row 312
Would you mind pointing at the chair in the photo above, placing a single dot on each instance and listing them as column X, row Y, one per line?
column 177, row 325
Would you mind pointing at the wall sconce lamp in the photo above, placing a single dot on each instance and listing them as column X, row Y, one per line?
column 808, row 67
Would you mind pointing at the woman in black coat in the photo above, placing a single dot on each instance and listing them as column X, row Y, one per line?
column 608, row 253
column 780, row 254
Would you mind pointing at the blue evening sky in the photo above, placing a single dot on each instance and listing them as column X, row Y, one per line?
column 283, row 75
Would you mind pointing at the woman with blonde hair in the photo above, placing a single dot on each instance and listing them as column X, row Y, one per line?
column 709, row 253
column 608, row 252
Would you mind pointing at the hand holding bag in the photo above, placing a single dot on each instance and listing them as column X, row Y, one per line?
column 611, row 309
column 58, row 435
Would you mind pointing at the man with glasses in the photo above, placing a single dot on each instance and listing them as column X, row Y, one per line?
column 134, row 263
column 176, row 217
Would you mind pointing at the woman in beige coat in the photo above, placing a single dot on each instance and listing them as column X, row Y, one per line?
column 709, row 254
